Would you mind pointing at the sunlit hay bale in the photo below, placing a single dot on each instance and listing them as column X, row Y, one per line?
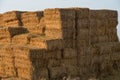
column 60, row 33
column 11, row 16
column 62, row 18
column 14, row 23
column 46, row 43
column 7, row 63
column 30, row 62
column 20, row 39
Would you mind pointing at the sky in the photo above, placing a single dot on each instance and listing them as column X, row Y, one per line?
column 33, row 5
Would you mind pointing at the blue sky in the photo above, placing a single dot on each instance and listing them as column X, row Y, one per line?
column 33, row 5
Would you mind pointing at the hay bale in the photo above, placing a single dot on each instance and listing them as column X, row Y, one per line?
column 57, row 72
column 69, row 62
column 14, row 23
column 102, row 14
column 69, row 53
column 54, row 63
column 7, row 63
column 69, row 43
column 46, row 43
column 11, row 16
column 20, row 39
column 60, row 33
column 57, row 54
column 61, row 16
column 29, row 19
column 83, row 34
column 83, row 24
column 82, row 13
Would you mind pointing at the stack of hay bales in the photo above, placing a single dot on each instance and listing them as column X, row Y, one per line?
column 30, row 20
column 30, row 63
column 83, row 39
column 11, row 19
column 103, row 25
column 7, row 62
column 105, row 58
column 60, row 24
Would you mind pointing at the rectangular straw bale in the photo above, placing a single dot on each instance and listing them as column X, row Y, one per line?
column 69, row 43
column 25, row 73
column 5, row 40
column 10, row 16
column 46, row 43
column 69, row 62
column 69, row 53
column 57, row 54
column 82, row 13
column 31, row 63
column 22, row 63
column 72, row 70
column 7, row 62
column 28, row 14
column 57, row 24
column 101, row 31
column 52, row 11
column 83, row 24
column 54, row 63
column 56, row 72
column 20, row 39
column 112, row 22
column 60, row 34
column 115, row 47
column 36, row 30
column 26, row 52
column 83, row 34
column 31, row 74
column 102, row 14
column 10, row 70
column 14, row 23
column 82, row 43
column 59, row 15
column 42, row 73
column 96, row 23
column 29, row 20
column 103, row 39
column 115, row 56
